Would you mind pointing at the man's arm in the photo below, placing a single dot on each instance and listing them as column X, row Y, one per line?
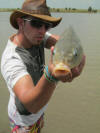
column 35, row 97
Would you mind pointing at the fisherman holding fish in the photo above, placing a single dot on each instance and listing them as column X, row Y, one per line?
column 30, row 84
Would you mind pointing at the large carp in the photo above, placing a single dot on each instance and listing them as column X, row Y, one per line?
column 68, row 52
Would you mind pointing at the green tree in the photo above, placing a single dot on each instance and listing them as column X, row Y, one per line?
column 90, row 9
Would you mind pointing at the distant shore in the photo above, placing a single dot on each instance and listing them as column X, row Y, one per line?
column 63, row 10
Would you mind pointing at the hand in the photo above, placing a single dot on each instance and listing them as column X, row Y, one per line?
column 76, row 71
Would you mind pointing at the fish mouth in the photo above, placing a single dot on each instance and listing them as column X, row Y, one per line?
column 61, row 68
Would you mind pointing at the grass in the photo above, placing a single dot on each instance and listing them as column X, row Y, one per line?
column 7, row 9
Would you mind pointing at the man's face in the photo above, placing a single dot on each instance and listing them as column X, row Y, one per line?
column 34, row 30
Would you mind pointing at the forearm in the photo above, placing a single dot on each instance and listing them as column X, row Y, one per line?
column 39, row 96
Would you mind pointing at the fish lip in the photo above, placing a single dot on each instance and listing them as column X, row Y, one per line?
column 61, row 68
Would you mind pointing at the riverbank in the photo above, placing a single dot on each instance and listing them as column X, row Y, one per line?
column 64, row 10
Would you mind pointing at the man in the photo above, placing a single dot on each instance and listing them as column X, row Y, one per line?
column 30, row 85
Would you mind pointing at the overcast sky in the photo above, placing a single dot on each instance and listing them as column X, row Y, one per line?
column 80, row 4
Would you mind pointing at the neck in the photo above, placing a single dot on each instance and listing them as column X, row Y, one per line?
column 21, row 41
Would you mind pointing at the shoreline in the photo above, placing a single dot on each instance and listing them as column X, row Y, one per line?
column 59, row 10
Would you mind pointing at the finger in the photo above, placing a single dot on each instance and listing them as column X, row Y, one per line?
column 81, row 65
column 52, row 49
column 76, row 71
column 66, row 78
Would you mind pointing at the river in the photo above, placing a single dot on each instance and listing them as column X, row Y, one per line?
column 74, row 107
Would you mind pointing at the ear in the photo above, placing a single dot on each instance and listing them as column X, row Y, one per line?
column 20, row 22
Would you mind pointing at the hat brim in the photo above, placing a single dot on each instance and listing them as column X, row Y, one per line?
column 18, row 13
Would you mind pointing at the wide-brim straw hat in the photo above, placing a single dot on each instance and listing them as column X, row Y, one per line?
column 34, row 8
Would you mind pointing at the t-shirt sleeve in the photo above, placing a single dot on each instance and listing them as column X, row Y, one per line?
column 13, row 69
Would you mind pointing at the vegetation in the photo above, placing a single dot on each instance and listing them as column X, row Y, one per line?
column 71, row 10
column 74, row 10
column 91, row 10
column 99, row 10
column 7, row 9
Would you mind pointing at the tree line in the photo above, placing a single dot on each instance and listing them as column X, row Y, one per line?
column 90, row 9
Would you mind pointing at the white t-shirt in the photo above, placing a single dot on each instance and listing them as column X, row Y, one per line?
column 12, row 69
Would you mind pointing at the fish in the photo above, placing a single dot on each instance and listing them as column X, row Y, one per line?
column 68, row 52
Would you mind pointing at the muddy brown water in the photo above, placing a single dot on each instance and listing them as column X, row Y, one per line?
column 74, row 107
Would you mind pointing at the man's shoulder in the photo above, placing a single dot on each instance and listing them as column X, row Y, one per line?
column 9, row 52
